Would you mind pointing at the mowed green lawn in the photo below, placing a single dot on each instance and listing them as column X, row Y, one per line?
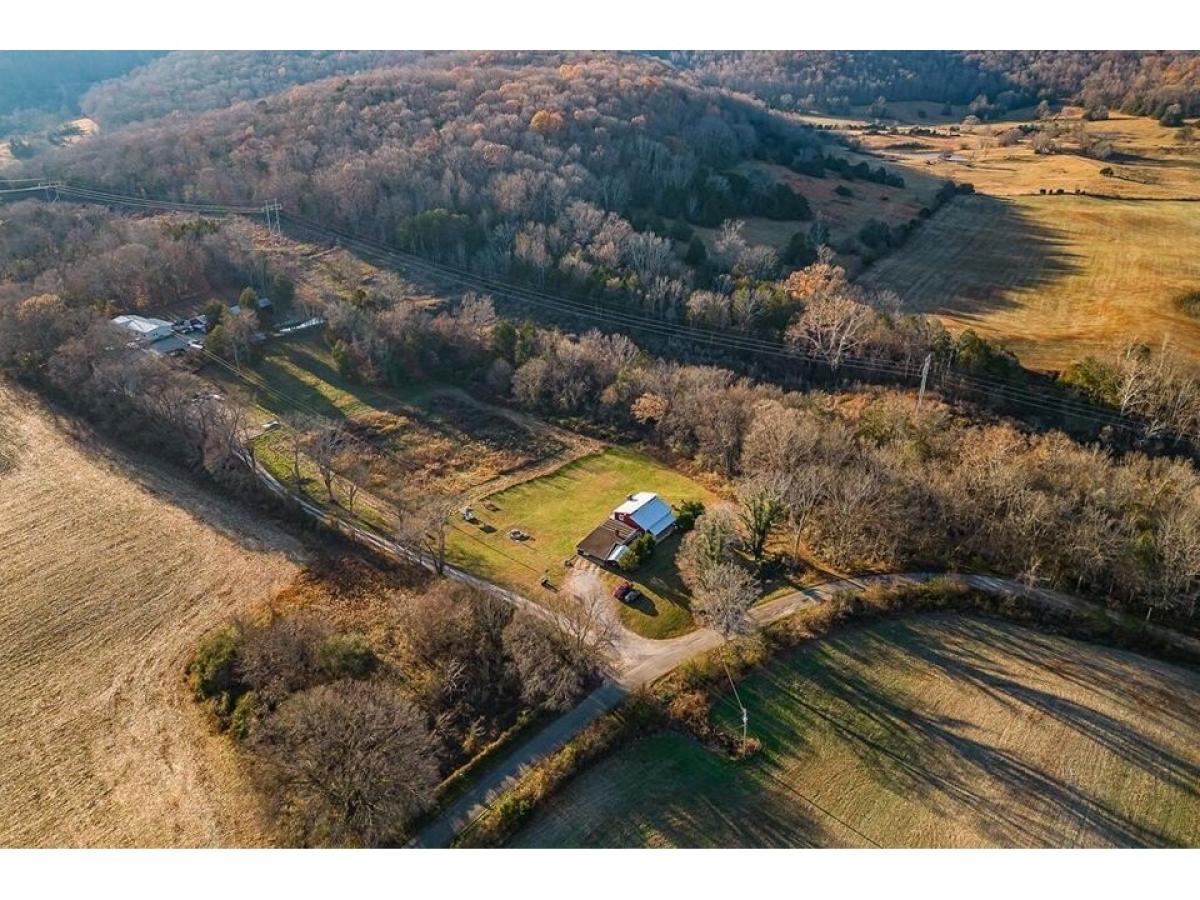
column 559, row 509
column 928, row 731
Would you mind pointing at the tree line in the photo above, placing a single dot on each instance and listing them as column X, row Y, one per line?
column 990, row 82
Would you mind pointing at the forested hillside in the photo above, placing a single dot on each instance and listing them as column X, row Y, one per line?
column 555, row 168
column 833, row 80
column 195, row 81
column 53, row 81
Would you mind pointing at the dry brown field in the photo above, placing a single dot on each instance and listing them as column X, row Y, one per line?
column 111, row 568
column 1149, row 161
column 1054, row 278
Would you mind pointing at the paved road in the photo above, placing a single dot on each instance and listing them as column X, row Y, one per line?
column 638, row 661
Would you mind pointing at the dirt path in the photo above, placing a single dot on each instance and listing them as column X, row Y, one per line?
column 109, row 573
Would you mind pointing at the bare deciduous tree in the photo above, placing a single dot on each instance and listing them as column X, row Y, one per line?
column 348, row 764
column 324, row 449
column 723, row 598
column 831, row 327
column 583, row 619
column 426, row 526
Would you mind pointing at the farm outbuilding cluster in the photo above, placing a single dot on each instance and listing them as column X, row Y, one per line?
column 641, row 513
column 155, row 335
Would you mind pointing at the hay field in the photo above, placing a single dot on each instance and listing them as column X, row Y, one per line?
column 931, row 731
column 1054, row 278
column 109, row 573
column 1149, row 161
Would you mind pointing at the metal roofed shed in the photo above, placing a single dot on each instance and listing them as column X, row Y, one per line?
column 608, row 542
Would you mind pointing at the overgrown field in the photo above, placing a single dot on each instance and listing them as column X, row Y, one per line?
column 926, row 731
column 111, row 571
column 405, row 444
column 557, row 510
column 1054, row 278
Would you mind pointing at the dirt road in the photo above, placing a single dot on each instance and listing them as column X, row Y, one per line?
column 109, row 573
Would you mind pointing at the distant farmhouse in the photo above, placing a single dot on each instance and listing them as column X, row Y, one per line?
column 642, row 513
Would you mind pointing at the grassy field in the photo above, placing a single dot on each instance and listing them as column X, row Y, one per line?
column 1149, row 160
column 559, row 509
column 844, row 215
column 1054, row 278
column 412, row 442
column 936, row 731
column 112, row 571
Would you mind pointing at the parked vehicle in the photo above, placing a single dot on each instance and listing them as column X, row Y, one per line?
column 626, row 592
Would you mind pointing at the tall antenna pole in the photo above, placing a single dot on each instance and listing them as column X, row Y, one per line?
column 924, row 380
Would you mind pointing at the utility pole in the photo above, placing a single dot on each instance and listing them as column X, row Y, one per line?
column 737, row 697
column 924, row 379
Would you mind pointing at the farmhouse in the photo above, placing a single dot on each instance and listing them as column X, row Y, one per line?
column 646, row 511
column 641, row 513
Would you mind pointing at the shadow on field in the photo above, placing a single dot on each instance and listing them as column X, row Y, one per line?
column 244, row 525
column 973, row 256
column 669, row 790
column 951, row 766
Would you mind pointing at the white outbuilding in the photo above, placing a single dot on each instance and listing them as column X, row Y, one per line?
column 144, row 330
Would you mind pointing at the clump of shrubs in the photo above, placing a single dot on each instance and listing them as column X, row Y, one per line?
column 687, row 514
column 346, row 656
column 245, row 670
column 212, row 673
column 640, row 550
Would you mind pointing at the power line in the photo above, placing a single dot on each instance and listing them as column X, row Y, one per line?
column 621, row 319
column 646, row 324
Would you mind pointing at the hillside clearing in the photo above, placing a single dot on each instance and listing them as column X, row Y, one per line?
column 112, row 571
column 408, row 443
column 931, row 731
column 1053, row 278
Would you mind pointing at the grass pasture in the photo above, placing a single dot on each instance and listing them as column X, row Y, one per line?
column 1054, row 278
column 560, row 508
column 929, row 731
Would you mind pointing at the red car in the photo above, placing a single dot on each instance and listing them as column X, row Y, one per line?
column 626, row 592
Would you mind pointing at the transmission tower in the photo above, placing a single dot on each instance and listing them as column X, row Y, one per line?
column 271, row 211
